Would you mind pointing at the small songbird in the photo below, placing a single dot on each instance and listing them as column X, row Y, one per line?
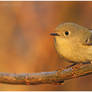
column 74, row 42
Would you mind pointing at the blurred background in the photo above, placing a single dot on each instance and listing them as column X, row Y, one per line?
column 27, row 47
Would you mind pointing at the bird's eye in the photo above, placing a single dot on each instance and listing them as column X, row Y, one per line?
column 66, row 33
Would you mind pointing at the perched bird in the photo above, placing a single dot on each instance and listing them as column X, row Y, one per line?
column 74, row 42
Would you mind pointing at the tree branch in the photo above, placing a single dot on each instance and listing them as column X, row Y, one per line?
column 47, row 77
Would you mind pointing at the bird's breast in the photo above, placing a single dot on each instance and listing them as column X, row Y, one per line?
column 73, row 51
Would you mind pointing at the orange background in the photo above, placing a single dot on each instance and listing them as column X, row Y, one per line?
column 25, row 43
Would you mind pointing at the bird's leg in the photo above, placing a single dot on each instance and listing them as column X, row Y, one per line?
column 78, row 66
column 79, row 63
column 71, row 65
column 87, row 62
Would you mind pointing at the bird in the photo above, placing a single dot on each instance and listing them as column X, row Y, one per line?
column 73, row 42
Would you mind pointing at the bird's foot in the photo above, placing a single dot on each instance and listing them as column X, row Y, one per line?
column 87, row 62
column 77, row 66
column 72, row 65
column 74, row 68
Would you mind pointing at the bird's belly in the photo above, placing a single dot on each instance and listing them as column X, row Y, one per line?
column 75, row 54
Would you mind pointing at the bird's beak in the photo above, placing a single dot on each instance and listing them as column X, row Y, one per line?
column 54, row 34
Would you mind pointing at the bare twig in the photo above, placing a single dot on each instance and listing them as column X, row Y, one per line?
column 46, row 77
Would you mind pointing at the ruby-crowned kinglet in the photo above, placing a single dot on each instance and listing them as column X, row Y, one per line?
column 74, row 42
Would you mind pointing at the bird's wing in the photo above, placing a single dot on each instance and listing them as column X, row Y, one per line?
column 88, row 40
